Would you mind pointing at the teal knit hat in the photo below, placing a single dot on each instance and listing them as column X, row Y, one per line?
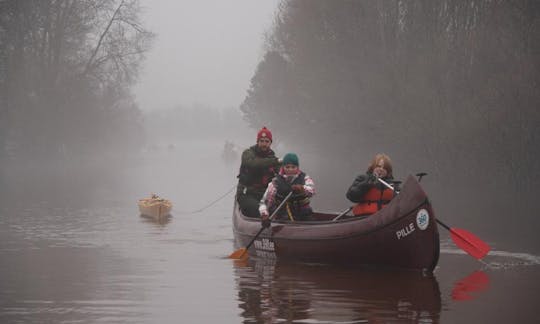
column 290, row 158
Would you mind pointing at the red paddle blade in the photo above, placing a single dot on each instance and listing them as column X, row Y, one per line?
column 469, row 243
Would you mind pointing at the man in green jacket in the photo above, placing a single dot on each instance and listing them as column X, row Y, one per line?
column 258, row 167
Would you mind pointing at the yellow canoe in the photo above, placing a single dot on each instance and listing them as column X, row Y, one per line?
column 155, row 207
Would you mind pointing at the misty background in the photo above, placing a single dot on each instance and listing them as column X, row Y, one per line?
column 451, row 88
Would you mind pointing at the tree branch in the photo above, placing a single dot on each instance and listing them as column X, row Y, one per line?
column 94, row 53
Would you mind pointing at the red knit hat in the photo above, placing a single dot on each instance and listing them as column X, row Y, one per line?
column 264, row 133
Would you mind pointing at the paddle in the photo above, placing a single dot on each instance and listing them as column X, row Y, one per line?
column 238, row 254
column 342, row 213
column 465, row 240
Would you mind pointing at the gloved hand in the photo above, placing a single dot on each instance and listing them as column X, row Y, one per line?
column 284, row 188
column 297, row 188
column 372, row 178
column 265, row 221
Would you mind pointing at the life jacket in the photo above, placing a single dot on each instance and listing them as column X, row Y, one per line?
column 296, row 200
column 256, row 179
column 374, row 199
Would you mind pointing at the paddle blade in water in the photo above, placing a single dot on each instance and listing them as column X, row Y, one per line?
column 469, row 243
column 239, row 254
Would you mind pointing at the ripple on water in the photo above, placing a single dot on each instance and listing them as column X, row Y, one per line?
column 501, row 259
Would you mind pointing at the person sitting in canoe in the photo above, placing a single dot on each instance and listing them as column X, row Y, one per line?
column 258, row 167
column 290, row 178
column 369, row 194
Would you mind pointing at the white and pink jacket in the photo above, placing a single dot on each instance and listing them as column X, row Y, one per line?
column 269, row 198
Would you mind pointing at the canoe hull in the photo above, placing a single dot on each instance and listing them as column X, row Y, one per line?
column 155, row 209
column 404, row 234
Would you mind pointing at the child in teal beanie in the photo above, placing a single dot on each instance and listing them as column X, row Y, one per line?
column 290, row 178
column 290, row 158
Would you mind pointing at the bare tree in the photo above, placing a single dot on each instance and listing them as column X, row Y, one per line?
column 66, row 63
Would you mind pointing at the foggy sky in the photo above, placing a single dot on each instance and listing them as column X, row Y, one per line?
column 205, row 52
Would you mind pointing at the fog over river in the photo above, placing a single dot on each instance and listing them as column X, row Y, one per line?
column 86, row 255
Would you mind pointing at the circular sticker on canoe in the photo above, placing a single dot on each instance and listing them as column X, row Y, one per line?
column 422, row 219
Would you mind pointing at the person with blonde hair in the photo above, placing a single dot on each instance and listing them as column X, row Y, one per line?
column 369, row 194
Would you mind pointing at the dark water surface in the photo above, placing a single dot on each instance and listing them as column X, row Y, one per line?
column 97, row 261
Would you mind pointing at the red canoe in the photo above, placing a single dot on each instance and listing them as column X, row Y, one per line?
column 403, row 234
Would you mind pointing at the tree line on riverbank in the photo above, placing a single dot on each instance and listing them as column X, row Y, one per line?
column 442, row 76
column 66, row 68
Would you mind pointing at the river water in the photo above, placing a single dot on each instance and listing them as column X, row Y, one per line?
column 70, row 257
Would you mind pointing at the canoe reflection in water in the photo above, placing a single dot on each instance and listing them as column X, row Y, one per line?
column 162, row 221
column 271, row 292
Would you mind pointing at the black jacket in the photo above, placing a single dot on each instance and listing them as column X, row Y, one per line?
column 362, row 184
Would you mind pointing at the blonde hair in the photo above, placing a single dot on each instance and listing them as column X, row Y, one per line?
column 387, row 163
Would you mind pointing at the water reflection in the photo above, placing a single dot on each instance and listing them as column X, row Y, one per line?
column 469, row 287
column 162, row 221
column 274, row 292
